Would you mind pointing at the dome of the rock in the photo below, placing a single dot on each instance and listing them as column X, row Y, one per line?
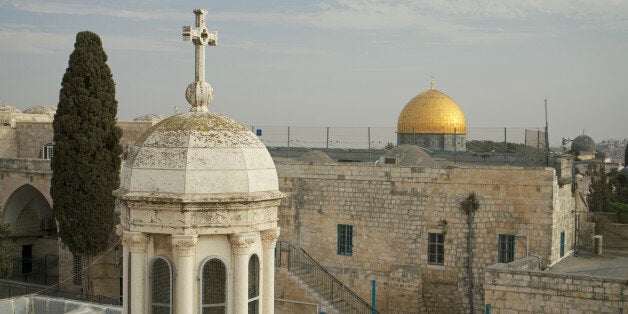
column 432, row 112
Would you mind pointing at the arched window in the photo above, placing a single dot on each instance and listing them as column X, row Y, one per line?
column 253, row 284
column 161, row 286
column 213, row 290
column 46, row 151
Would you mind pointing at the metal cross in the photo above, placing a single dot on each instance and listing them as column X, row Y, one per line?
column 200, row 37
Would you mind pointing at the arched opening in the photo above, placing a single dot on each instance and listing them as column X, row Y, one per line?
column 33, row 230
column 254, row 284
column 213, row 287
column 161, row 286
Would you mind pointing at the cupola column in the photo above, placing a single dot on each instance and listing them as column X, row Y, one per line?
column 185, row 247
column 135, row 243
column 269, row 241
column 240, row 247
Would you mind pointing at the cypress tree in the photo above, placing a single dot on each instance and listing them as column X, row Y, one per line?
column 86, row 159
column 599, row 197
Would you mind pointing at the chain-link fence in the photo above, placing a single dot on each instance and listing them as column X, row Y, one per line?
column 380, row 137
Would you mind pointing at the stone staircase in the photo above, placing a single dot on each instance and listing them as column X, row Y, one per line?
column 308, row 273
column 293, row 289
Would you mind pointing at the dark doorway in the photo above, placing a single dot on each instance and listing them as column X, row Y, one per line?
column 27, row 259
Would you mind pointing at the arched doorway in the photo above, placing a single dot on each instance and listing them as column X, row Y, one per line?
column 34, row 232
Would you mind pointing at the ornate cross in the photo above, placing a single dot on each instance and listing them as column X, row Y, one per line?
column 199, row 93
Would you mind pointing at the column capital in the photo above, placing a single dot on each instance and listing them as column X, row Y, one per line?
column 135, row 241
column 269, row 237
column 185, row 244
column 241, row 243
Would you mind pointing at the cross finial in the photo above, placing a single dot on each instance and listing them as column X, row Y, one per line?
column 199, row 93
column 432, row 81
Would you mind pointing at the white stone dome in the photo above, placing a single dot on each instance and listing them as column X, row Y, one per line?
column 4, row 108
column 199, row 157
column 49, row 110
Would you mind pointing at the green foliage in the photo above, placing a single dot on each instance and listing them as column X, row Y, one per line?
column 87, row 151
column 6, row 250
column 622, row 212
column 470, row 204
column 599, row 197
column 389, row 146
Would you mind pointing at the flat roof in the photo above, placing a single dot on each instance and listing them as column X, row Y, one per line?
column 610, row 265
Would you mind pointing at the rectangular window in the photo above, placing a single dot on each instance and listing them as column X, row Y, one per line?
column 506, row 248
column 436, row 249
column 345, row 240
column 78, row 270
column 562, row 244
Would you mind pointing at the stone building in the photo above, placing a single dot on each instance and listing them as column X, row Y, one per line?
column 402, row 226
column 433, row 121
column 199, row 199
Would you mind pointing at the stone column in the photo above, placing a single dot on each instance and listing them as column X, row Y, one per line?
column 185, row 246
column 240, row 247
column 136, row 243
column 269, row 240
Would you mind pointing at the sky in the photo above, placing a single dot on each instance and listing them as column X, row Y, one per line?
column 340, row 63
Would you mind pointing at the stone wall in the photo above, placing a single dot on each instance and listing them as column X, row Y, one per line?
column 614, row 236
column 8, row 142
column 393, row 209
column 31, row 136
column 510, row 290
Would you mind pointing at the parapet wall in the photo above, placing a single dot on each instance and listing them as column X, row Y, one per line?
column 520, row 291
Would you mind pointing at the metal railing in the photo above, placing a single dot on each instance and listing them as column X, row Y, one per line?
column 33, row 270
column 9, row 288
column 329, row 287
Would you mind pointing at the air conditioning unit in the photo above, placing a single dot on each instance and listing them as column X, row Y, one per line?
column 47, row 224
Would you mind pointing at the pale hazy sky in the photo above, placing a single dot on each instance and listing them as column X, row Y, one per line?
column 340, row 62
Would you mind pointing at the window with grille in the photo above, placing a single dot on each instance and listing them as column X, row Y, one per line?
column 213, row 290
column 77, row 268
column 345, row 240
column 254, row 285
column 161, row 286
column 506, row 248
column 46, row 151
column 436, row 249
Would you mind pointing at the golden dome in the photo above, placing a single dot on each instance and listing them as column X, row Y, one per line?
column 432, row 112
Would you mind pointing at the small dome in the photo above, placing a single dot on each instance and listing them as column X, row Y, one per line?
column 199, row 156
column 432, row 112
column 624, row 169
column 150, row 118
column 412, row 156
column 49, row 110
column 8, row 109
column 583, row 144
column 316, row 157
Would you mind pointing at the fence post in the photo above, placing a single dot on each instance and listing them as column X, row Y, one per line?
column 288, row 153
column 327, row 142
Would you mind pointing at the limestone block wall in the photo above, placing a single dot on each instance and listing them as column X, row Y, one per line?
column 393, row 209
column 31, row 136
column 8, row 142
column 521, row 291
column 614, row 236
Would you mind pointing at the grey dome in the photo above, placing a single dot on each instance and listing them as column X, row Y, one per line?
column 49, row 110
column 583, row 143
column 624, row 169
column 4, row 108
column 411, row 155
column 316, row 157
column 150, row 118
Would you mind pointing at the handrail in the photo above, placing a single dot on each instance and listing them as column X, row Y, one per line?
column 300, row 263
column 10, row 288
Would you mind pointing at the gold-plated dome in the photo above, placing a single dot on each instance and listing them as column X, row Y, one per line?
column 432, row 112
